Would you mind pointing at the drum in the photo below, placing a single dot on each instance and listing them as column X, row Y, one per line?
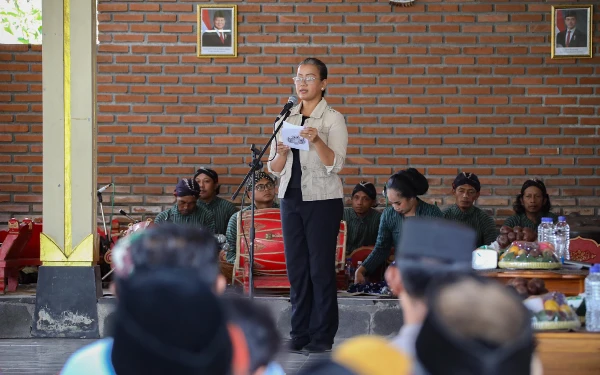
column 131, row 228
column 139, row 226
column 269, row 256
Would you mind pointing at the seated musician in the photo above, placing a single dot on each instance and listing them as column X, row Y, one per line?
column 531, row 206
column 362, row 219
column 264, row 189
column 222, row 209
column 402, row 191
column 466, row 188
column 186, row 210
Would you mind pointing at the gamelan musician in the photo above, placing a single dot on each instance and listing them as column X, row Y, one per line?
column 466, row 189
column 362, row 219
column 264, row 197
column 222, row 209
column 402, row 191
column 186, row 210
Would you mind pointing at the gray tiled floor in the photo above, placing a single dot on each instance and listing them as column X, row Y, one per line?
column 47, row 356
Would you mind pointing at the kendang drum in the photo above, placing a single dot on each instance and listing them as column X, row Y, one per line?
column 269, row 256
column 131, row 228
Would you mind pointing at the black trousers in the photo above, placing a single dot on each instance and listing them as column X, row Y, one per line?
column 310, row 231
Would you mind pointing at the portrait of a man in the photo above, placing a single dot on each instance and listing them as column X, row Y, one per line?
column 217, row 31
column 218, row 36
column 571, row 36
column 571, row 31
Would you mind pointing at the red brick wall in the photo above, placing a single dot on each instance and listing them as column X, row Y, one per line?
column 20, row 131
column 441, row 86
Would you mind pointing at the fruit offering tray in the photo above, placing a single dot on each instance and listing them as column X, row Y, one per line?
column 529, row 255
column 552, row 312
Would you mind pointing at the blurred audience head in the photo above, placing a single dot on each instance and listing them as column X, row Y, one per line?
column 474, row 326
column 259, row 330
column 168, row 321
column 170, row 245
column 364, row 355
column 428, row 247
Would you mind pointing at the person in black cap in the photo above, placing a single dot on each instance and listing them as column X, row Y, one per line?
column 170, row 245
column 264, row 189
column 361, row 219
column 475, row 326
column 167, row 321
column 402, row 191
column 530, row 206
column 571, row 36
column 185, row 210
column 427, row 247
column 466, row 189
column 222, row 209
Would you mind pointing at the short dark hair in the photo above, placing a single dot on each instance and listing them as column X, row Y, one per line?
column 258, row 327
column 518, row 206
column 416, row 277
column 409, row 183
column 570, row 13
column 219, row 14
column 169, row 245
column 320, row 66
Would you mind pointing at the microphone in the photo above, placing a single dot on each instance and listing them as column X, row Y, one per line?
column 127, row 216
column 292, row 101
column 101, row 190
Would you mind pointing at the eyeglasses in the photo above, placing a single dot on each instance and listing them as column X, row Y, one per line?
column 267, row 186
column 308, row 80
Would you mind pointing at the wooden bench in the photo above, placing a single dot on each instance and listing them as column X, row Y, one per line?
column 20, row 248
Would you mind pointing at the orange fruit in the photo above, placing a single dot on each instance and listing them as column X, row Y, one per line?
column 551, row 305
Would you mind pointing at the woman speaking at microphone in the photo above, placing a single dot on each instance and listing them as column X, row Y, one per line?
column 311, row 196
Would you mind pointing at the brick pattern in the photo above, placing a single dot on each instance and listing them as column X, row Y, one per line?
column 441, row 86
column 20, row 131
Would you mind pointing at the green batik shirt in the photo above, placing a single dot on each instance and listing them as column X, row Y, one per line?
column 222, row 210
column 389, row 232
column 232, row 234
column 360, row 231
column 523, row 221
column 477, row 219
column 200, row 217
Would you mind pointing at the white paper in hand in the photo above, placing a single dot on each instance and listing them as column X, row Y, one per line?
column 290, row 135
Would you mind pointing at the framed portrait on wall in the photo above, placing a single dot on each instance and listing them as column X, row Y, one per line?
column 217, row 31
column 572, row 31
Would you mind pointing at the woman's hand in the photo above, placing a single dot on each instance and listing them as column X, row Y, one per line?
column 359, row 276
column 282, row 150
column 311, row 134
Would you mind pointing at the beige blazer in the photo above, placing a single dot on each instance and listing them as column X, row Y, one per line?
column 319, row 181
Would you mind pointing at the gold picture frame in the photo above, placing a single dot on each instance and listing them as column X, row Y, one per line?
column 216, row 31
column 572, row 31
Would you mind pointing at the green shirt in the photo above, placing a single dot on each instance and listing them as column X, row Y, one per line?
column 389, row 232
column 232, row 234
column 222, row 210
column 477, row 219
column 360, row 231
column 200, row 217
column 523, row 221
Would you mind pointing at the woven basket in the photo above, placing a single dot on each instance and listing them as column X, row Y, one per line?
column 545, row 326
column 529, row 265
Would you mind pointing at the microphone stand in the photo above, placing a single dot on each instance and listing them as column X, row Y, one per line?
column 255, row 165
column 99, row 194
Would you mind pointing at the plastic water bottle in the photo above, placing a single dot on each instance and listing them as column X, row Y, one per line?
column 546, row 230
column 592, row 299
column 561, row 238
column 349, row 273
